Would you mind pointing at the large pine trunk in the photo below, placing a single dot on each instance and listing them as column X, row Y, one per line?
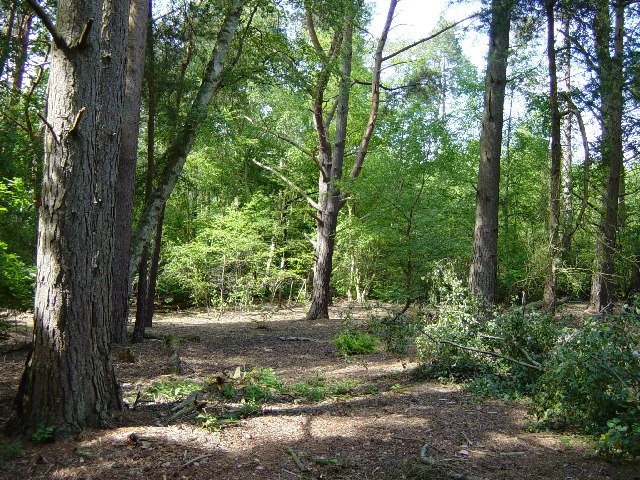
column 484, row 267
column 69, row 381
column 603, row 284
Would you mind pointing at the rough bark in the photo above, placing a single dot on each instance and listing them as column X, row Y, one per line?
column 483, row 273
column 176, row 154
column 143, row 270
column 610, row 73
column 154, row 265
column 8, row 35
column 127, row 159
column 555, row 246
column 69, row 380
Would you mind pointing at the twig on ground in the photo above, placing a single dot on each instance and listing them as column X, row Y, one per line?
column 296, row 459
column 194, row 460
column 424, row 458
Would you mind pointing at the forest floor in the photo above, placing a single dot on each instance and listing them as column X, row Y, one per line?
column 373, row 423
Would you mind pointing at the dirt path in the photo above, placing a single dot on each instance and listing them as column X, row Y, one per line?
column 374, row 431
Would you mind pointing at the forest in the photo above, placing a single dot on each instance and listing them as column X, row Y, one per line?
column 323, row 248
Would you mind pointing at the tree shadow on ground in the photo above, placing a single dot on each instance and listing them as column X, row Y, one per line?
column 376, row 436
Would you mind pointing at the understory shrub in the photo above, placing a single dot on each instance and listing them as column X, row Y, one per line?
column 592, row 380
column 355, row 342
column 17, row 281
column 585, row 377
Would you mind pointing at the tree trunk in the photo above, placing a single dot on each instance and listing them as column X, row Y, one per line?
column 329, row 199
column 6, row 45
column 24, row 30
column 69, row 381
column 143, row 270
column 555, row 246
column 603, row 285
column 484, row 267
column 176, row 154
column 567, row 131
column 153, row 273
column 127, row 159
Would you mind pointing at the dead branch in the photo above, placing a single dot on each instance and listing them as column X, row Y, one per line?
column 483, row 352
column 297, row 459
column 46, row 21
column 187, row 406
column 194, row 460
column 309, row 200
column 424, row 458
column 308, row 153
column 430, row 37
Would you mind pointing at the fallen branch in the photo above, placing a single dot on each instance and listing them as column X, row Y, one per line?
column 194, row 460
column 424, row 458
column 187, row 406
column 296, row 459
column 483, row 352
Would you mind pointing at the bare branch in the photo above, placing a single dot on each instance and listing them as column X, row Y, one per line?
column 280, row 136
column 312, row 32
column 42, row 15
column 483, row 352
column 375, row 94
column 426, row 39
column 309, row 200
column 586, row 165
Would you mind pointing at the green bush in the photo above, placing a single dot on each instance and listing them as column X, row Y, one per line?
column 592, row 381
column 17, row 281
column 172, row 389
column 583, row 377
column 262, row 384
column 355, row 342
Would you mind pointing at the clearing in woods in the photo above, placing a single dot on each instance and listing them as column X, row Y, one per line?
column 317, row 415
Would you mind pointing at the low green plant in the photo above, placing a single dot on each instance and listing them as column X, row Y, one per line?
column 9, row 451
column 172, row 389
column 344, row 387
column 43, row 433
column 248, row 409
column 262, row 383
column 311, row 393
column 355, row 342
column 214, row 423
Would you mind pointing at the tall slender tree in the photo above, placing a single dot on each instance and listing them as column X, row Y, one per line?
column 127, row 159
column 609, row 43
column 484, row 267
column 555, row 180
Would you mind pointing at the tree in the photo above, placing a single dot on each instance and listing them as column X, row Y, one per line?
column 484, row 266
column 611, row 83
column 69, row 380
column 555, row 244
column 127, row 159
column 179, row 148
